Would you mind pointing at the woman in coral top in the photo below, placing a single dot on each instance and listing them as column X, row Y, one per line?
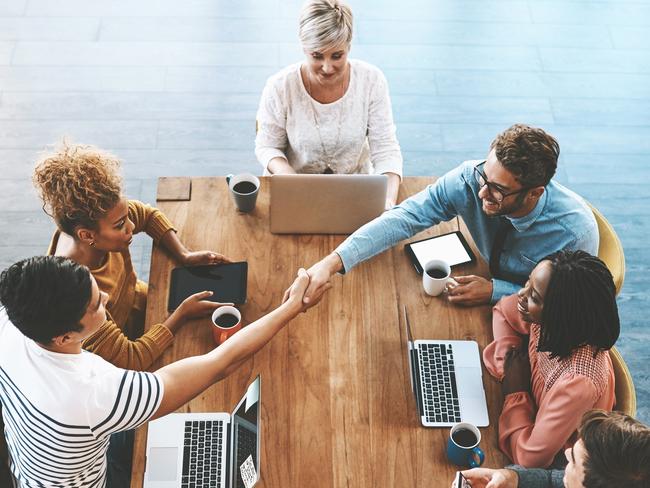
column 550, row 350
column 82, row 191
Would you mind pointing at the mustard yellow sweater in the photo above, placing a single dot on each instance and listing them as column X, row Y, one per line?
column 127, row 296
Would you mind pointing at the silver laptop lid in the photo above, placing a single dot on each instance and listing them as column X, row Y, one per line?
column 325, row 204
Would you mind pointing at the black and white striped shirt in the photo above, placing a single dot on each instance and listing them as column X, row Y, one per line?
column 59, row 410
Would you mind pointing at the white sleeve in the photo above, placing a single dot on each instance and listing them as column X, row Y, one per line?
column 271, row 138
column 385, row 154
column 123, row 400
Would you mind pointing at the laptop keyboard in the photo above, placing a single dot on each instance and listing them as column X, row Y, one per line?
column 439, row 383
column 202, row 451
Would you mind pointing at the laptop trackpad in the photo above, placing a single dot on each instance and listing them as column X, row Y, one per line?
column 469, row 382
column 162, row 464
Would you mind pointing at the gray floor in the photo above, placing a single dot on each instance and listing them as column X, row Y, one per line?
column 172, row 87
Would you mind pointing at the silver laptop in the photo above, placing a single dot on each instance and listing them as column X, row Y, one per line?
column 325, row 204
column 447, row 381
column 218, row 450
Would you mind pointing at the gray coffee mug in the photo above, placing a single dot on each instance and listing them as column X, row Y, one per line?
column 244, row 189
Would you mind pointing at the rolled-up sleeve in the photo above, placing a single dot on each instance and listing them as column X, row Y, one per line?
column 149, row 219
column 508, row 329
column 110, row 342
column 385, row 153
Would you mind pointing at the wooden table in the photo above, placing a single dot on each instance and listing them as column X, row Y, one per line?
column 337, row 408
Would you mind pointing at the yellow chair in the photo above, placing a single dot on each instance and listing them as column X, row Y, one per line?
column 625, row 392
column 610, row 249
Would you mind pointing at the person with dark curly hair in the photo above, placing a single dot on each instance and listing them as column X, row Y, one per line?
column 550, row 351
column 612, row 450
column 514, row 210
column 81, row 190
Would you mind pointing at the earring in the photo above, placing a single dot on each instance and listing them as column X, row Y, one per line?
column 92, row 243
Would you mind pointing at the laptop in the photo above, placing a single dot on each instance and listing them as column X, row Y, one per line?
column 447, row 381
column 216, row 450
column 325, row 204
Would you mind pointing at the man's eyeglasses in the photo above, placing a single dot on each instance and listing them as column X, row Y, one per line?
column 496, row 193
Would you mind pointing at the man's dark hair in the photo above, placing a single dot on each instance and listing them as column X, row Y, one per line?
column 45, row 296
column 579, row 306
column 530, row 154
column 617, row 450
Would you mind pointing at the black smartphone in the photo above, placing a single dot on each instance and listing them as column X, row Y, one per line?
column 461, row 482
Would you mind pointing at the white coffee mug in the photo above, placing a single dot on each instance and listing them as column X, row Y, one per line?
column 435, row 276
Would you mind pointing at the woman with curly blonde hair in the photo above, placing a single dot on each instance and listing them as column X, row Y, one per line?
column 82, row 191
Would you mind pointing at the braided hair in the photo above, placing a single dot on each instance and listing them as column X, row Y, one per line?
column 579, row 306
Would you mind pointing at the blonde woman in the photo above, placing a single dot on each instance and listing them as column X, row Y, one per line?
column 328, row 114
column 81, row 190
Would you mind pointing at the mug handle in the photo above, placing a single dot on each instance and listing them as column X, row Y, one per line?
column 228, row 178
column 481, row 457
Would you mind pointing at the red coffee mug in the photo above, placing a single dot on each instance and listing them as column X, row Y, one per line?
column 226, row 321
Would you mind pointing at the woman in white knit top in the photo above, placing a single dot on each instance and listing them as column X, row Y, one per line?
column 328, row 114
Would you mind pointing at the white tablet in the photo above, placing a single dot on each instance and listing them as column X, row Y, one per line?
column 451, row 247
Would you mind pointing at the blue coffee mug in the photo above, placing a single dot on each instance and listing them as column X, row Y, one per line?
column 462, row 446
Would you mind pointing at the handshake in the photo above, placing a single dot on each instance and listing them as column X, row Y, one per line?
column 310, row 285
column 306, row 291
column 466, row 290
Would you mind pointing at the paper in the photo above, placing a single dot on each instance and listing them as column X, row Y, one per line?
column 252, row 394
column 248, row 473
column 447, row 247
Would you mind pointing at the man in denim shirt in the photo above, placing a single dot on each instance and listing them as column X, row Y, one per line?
column 513, row 210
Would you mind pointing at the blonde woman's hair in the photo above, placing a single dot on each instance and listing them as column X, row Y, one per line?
column 78, row 185
column 325, row 24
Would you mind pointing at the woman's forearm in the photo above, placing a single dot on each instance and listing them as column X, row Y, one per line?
column 392, row 192
column 279, row 165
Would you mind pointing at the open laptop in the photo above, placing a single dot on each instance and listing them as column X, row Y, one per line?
column 325, row 204
column 447, row 381
column 216, row 450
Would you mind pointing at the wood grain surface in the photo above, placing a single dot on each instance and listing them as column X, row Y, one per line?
column 337, row 408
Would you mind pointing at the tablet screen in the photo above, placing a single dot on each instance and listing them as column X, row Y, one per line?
column 447, row 247
column 227, row 282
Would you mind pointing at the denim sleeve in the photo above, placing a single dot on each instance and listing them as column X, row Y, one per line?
column 538, row 478
column 502, row 288
column 436, row 203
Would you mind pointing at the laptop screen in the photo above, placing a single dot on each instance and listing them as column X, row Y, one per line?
column 412, row 362
column 245, row 438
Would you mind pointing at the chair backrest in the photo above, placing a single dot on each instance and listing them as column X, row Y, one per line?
column 625, row 392
column 610, row 249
